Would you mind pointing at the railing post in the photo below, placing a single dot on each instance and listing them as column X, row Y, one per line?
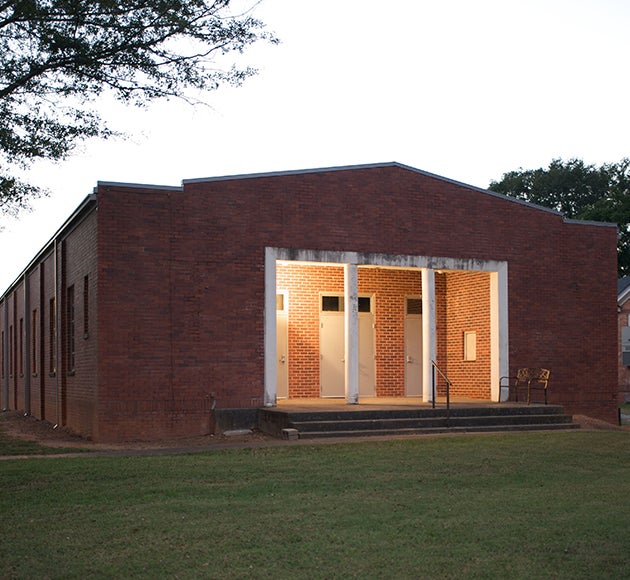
column 432, row 384
column 448, row 401
column 435, row 368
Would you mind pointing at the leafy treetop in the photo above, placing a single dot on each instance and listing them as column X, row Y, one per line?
column 57, row 56
column 579, row 191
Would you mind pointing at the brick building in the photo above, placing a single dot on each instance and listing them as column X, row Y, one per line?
column 165, row 311
column 623, row 319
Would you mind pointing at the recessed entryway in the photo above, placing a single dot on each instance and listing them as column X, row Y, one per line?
column 406, row 313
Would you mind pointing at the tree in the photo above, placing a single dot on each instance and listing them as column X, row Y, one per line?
column 58, row 56
column 579, row 191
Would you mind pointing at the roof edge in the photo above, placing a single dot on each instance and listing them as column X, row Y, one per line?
column 83, row 209
column 623, row 296
column 589, row 223
column 137, row 186
column 369, row 166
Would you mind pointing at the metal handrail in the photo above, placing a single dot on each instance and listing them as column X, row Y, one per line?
column 448, row 388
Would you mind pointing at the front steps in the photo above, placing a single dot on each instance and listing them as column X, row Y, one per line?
column 315, row 424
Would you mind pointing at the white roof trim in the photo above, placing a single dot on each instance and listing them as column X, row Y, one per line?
column 137, row 186
column 623, row 297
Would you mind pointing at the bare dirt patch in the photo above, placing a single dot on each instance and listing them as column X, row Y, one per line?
column 586, row 422
column 19, row 426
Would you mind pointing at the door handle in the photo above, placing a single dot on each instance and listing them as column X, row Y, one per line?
column 409, row 359
column 283, row 359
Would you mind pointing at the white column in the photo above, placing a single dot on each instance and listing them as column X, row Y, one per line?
column 429, row 338
column 499, row 343
column 351, row 319
column 271, row 370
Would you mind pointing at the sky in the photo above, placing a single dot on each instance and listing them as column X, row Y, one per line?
column 467, row 90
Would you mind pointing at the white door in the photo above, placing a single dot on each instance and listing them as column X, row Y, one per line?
column 332, row 370
column 413, row 346
column 282, row 342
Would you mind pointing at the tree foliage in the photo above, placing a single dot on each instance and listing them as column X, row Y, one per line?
column 579, row 191
column 58, row 56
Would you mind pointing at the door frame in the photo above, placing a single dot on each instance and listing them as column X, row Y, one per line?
column 284, row 313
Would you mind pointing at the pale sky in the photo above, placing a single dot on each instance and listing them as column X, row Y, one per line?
column 465, row 89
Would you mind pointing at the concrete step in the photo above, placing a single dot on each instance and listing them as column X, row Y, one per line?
column 438, row 430
column 357, row 423
column 427, row 412
column 394, row 423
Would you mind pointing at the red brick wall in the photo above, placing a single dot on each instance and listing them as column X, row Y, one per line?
column 17, row 392
column 468, row 309
column 79, row 385
column 175, row 316
column 48, row 377
column 389, row 288
column 33, row 316
column 60, row 396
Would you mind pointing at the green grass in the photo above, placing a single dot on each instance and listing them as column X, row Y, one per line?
column 542, row 505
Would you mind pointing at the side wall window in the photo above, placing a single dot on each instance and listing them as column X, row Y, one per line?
column 21, row 343
column 86, row 307
column 52, row 334
column 34, row 333
column 11, row 340
column 70, row 322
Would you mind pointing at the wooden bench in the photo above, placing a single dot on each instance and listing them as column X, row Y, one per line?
column 527, row 378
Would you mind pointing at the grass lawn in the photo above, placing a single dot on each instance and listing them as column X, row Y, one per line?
column 538, row 505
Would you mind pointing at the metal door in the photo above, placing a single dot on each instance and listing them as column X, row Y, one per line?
column 413, row 347
column 331, row 355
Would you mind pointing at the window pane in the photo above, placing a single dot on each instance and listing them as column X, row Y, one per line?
column 332, row 303
column 414, row 305
column 364, row 304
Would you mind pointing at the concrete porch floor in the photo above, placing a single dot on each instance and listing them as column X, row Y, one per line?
column 377, row 403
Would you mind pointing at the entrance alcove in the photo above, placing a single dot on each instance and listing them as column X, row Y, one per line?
column 407, row 317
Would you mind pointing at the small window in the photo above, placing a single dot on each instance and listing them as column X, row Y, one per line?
column 280, row 302
column 414, row 306
column 470, row 346
column 332, row 303
column 365, row 304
